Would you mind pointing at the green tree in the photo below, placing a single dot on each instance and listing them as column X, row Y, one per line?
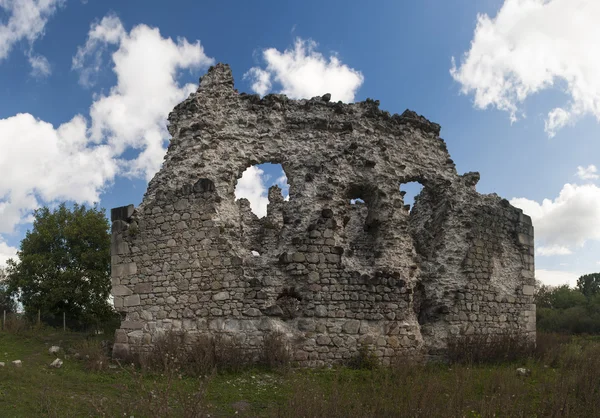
column 563, row 297
column 7, row 302
column 589, row 284
column 542, row 294
column 64, row 265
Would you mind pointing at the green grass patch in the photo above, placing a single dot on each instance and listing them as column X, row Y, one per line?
column 564, row 380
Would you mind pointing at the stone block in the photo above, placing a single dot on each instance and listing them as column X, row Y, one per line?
column 321, row 311
column 525, row 240
column 122, row 213
column 132, row 325
column 351, row 327
column 121, row 290
column 528, row 290
column 252, row 312
column 133, row 300
column 142, row 288
column 220, row 296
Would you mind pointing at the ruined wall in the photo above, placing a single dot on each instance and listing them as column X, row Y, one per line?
column 331, row 276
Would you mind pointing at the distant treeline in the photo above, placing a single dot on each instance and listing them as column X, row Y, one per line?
column 570, row 310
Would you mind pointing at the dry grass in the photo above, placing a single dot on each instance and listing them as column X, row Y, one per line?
column 572, row 389
column 494, row 348
column 203, row 355
column 564, row 382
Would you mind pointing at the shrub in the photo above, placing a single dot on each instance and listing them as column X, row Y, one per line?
column 494, row 348
column 92, row 353
column 276, row 352
column 364, row 359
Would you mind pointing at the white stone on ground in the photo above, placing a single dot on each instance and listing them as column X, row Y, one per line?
column 57, row 363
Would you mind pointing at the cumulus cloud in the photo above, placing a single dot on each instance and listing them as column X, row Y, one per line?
column 530, row 46
column 553, row 250
column 252, row 186
column 133, row 114
column 568, row 221
column 587, row 173
column 26, row 20
column 302, row 72
column 78, row 159
column 557, row 277
column 261, row 80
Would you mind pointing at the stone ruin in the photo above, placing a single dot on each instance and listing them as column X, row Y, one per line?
column 327, row 275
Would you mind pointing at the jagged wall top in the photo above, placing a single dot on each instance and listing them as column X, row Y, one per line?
column 218, row 133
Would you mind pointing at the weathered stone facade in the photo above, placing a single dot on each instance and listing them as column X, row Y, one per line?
column 331, row 275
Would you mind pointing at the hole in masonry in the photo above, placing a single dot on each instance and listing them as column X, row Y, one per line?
column 255, row 182
column 410, row 193
column 357, row 200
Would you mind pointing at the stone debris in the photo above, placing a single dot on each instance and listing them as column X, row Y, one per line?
column 328, row 275
column 17, row 363
column 57, row 363
column 54, row 349
column 2, row 364
column 521, row 371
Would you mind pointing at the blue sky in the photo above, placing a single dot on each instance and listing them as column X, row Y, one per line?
column 515, row 84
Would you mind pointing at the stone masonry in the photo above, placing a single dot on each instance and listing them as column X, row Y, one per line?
column 330, row 276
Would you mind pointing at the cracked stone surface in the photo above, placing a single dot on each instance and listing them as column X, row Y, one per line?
column 330, row 276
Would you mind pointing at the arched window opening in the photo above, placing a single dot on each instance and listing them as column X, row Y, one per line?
column 410, row 193
column 255, row 182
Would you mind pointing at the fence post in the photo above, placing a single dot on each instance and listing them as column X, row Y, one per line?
column 64, row 322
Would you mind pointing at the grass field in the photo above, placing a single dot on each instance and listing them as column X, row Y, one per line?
column 564, row 381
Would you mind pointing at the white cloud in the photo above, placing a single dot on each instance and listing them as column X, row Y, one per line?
column 557, row 277
column 252, row 187
column 133, row 114
column 77, row 160
column 108, row 31
column 41, row 163
column 261, row 80
column 40, row 67
column 6, row 252
column 282, row 182
column 530, row 46
column 553, row 250
column 567, row 221
column 587, row 173
column 302, row 72
column 26, row 20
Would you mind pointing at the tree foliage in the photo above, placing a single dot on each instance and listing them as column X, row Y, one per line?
column 570, row 310
column 7, row 303
column 64, row 265
column 589, row 284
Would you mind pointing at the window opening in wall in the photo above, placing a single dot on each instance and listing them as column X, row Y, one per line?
column 255, row 183
column 411, row 190
column 355, row 201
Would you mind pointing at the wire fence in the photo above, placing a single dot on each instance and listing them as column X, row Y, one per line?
column 12, row 321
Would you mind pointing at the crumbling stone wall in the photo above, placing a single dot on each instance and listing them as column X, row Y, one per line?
column 331, row 276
